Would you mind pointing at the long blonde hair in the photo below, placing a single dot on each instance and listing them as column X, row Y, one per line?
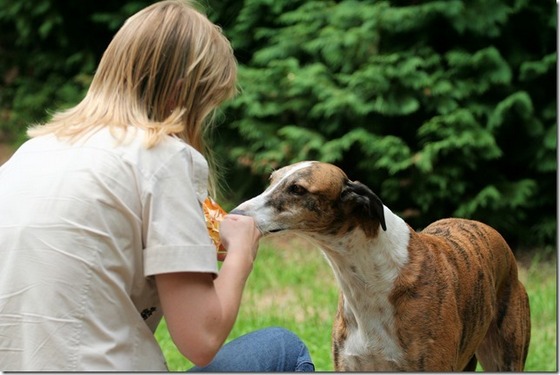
column 165, row 71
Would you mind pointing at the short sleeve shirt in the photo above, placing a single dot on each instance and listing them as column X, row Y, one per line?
column 83, row 229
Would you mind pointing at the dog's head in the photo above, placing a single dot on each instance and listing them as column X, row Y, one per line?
column 314, row 197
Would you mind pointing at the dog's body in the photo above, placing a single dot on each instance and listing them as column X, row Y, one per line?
column 437, row 300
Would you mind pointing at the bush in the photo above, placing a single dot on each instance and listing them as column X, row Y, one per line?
column 445, row 108
column 49, row 53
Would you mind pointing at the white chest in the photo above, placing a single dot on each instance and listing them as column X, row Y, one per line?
column 373, row 347
column 366, row 270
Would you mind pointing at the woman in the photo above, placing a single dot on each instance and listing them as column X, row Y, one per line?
column 101, row 227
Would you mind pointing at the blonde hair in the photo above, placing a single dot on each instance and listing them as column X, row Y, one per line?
column 165, row 71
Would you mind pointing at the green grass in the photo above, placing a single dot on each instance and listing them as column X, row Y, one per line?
column 541, row 282
column 292, row 286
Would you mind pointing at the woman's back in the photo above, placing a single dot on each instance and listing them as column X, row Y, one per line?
column 71, row 244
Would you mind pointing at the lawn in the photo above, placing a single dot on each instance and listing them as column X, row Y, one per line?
column 292, row 286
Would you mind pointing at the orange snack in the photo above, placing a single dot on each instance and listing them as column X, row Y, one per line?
column 214, row 214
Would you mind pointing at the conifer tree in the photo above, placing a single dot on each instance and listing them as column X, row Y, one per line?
column 445, row 108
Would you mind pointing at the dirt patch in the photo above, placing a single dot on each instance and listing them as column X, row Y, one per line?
column 6, row 152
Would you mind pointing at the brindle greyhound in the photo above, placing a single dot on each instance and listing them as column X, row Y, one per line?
column 436, row 300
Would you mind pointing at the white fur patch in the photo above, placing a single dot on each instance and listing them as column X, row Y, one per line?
column 366, row 270
column 295, row 168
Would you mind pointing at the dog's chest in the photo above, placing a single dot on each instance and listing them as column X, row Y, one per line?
column 366, row 273
column 371, row 345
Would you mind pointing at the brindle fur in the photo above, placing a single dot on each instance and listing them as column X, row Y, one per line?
column 458, row 296
column 455, row 299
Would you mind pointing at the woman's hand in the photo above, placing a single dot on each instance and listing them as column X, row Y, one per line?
column 239, row 234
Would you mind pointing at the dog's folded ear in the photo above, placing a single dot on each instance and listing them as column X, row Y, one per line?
column 361, row 197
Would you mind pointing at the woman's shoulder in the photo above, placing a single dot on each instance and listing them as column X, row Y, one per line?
column 170, row 155
column 132, row 142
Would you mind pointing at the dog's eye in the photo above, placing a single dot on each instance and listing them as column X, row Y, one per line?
column 297, row 189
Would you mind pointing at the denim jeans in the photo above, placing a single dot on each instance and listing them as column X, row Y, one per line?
column 266, row 350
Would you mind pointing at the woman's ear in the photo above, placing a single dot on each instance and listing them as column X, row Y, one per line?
column 362, row 199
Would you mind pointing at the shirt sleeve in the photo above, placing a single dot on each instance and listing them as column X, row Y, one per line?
column 174, row 230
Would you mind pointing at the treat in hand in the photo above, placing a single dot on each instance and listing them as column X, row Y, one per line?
column 214, row 214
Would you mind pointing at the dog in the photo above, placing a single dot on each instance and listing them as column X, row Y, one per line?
column 441, row 299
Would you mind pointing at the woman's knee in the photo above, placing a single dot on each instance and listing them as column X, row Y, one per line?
column 268, row 349
column 292, row 348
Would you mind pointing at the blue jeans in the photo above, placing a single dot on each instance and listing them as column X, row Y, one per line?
column 265, row 350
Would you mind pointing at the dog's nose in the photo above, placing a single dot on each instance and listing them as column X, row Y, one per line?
column 236, row 211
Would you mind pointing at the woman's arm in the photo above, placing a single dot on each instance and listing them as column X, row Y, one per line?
column 200, row 311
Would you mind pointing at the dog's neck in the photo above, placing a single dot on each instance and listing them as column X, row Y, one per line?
column 366, row 267
column 373, row 262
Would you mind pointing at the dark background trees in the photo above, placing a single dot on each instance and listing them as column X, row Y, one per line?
column 444, row 108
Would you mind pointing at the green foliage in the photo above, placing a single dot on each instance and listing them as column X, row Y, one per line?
column 445, row 108
column 49, row 53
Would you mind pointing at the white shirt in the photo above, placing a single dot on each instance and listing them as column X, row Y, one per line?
column 82, row 230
